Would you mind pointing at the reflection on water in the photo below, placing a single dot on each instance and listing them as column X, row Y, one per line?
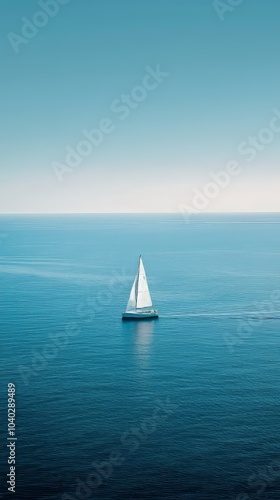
column 143, row 337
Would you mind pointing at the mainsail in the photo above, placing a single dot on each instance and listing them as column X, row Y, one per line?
column 139, row 296
column 143, row 298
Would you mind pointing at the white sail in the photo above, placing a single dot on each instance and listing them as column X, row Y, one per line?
column 139, row 296
column 131, row 305
column 143, row 298
column 139, row 304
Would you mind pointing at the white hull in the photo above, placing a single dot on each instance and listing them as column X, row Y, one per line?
column 140, row 314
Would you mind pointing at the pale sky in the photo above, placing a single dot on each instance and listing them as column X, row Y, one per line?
column 174, row 92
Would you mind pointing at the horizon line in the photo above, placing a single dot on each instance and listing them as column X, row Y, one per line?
column 137, row 213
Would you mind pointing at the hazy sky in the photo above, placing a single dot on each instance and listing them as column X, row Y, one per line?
column 173, row 91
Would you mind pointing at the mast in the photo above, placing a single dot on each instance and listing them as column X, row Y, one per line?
column 137, row 282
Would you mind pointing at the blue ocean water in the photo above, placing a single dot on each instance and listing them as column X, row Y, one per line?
column 184, row 407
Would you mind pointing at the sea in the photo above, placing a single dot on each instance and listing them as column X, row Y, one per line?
column 185, row 407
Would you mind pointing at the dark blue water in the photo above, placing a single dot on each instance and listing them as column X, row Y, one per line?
column 186, row 407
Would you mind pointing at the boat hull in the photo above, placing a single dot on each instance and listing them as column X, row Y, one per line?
column 138, row 315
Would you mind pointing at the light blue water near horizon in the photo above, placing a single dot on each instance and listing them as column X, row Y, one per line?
column 211, row 360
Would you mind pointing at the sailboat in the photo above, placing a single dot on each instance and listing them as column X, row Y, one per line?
column 139, row 304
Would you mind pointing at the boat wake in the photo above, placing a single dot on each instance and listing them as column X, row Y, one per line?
column 230, row 315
